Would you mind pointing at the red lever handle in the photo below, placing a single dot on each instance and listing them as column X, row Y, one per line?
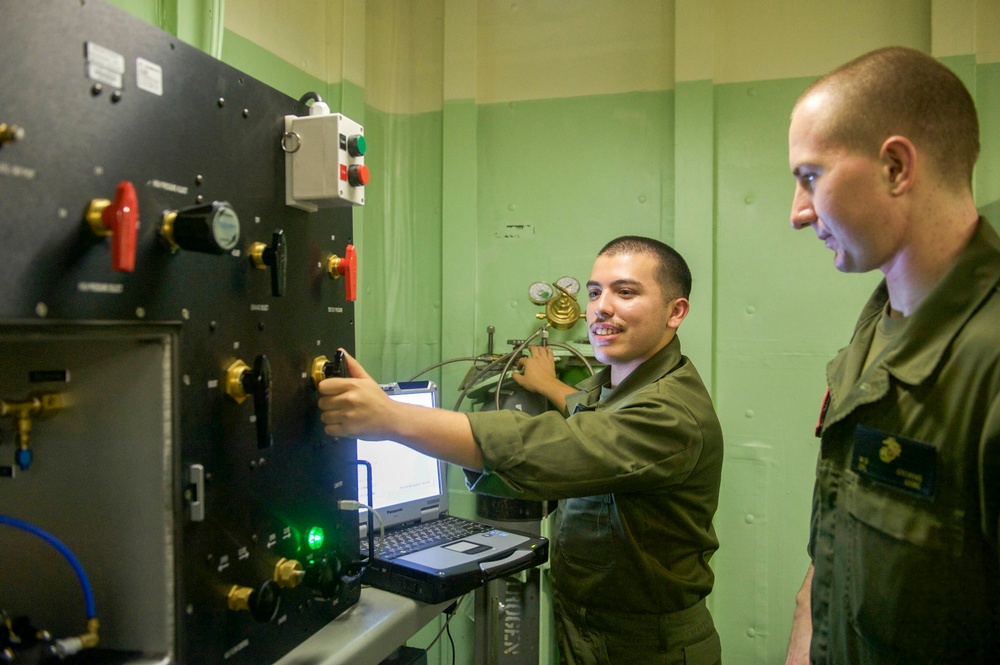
column 348, row 267
column 120, row 220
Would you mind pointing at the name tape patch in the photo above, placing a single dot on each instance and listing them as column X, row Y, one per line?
column 896, row 461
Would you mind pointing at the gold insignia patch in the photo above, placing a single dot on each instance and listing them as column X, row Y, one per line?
column 890, row 450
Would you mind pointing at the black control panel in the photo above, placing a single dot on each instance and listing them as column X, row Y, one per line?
column 164, row 319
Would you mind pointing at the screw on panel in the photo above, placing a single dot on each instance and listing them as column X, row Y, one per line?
column 10, row 133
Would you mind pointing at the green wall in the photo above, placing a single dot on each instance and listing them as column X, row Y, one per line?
column 987, row 82
column 399, row 301
column 557, row 179
column 781, row 313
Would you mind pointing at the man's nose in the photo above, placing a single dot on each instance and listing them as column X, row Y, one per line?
column 598, row 307
column 803, row 213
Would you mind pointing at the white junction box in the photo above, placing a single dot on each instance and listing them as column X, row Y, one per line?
column 324, row 160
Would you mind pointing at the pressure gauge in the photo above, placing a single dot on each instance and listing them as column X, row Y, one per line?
column 540, row 292
column 569, row 284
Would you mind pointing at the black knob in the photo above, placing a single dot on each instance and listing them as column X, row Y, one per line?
column 265, row 601
column 324, row 574
column 212, row 228
column 257, row 382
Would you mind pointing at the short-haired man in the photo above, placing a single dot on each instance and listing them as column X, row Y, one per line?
column 905, row 509
column 635, row 459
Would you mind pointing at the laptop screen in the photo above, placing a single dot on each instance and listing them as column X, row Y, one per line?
column 406, row 484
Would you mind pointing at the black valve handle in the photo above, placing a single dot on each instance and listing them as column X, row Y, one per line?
column 257, row 382
column 336, row 368
column 276, row 257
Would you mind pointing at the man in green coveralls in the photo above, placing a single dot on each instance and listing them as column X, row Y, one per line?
column 635, row 458
column 903, row 540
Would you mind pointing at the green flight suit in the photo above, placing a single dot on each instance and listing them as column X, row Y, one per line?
column 905, row 509
column 637, row 473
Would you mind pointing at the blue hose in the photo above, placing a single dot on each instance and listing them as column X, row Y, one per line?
column 88, row 593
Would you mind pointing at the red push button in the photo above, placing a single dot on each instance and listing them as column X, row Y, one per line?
column 357, row 175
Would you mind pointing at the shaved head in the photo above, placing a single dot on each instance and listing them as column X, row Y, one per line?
column 898, row 91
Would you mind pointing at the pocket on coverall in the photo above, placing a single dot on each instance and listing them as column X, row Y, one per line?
column 903, row 568
column 585, row 534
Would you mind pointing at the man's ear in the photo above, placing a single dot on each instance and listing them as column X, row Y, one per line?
column 679, row 309
column 899, row 163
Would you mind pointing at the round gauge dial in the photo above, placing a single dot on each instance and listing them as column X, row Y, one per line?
column 540, row 292
column 225, row 226
column 569, row 284
column 213, row 228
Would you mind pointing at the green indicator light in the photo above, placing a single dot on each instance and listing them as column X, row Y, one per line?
column 315, row 538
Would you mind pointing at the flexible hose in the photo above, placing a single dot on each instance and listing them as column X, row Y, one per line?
column 479, row 377
column 507, row 359
column 88, row 594
column 576, row 353
column 514, row 356
column 445, row 362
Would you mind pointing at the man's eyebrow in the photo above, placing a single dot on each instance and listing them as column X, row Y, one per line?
column 618, row 283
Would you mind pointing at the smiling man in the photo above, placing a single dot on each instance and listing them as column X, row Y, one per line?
column 906, row 504
column 634, row 456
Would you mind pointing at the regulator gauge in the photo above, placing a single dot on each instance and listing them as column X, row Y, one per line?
column 569, row 284
column 540, row 292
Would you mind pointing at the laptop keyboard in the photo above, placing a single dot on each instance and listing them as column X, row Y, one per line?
column 421, row 536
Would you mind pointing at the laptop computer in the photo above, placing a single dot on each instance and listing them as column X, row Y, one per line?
column 428, row 554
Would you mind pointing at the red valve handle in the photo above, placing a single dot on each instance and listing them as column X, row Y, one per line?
column 348, row 267
column 121, row 217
